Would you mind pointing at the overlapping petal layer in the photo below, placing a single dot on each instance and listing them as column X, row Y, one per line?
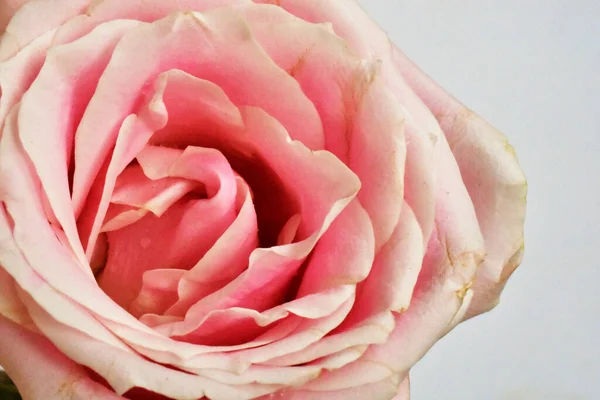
column 234, row 200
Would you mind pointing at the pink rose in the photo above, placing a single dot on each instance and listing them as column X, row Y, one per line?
column 223, row 199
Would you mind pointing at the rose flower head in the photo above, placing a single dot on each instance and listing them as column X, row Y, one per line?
column 235, row 199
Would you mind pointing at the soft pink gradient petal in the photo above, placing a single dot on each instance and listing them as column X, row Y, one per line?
column 34, row 19
column 344, row 254
column 156, row 294
column 381, row 390
column 8, row 8
column 69, row 75
column 136, row 195
column 221, row 263
column 362, row 119
column 179, row 41
column 374, row 330
column 179, row 238
column 493, row 178
column 133, row 136
column 41, row 371
column 443, row 293
column 236, row 325
column 366, row 39
column 132, row 370
column 18, row 72
column 323, row 187
column 11, row 306
column 403, row 390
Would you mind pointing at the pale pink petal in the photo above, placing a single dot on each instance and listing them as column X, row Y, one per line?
column 68, row 76
column 381, row 390
column 132, row 370
column 18, row 72
column 373, row 330
column 230, row 325
column 493, row 178
column 403, row 390
column 392, row 278
column 394, row 273
column 442, row 292
column 27, row 242
column 157, row 293
column 151, row 10
column 308, row 332
column 11, row 306
column 26, row 235
column 7, row 9
column 180, row 237
column 133, row 137
column 223, row 261
column 135, row 195
column 366, row 39
column 362, row 119
column 323, row 186
column 34, row 19
column 344, row 255
column 179, row 41
column 41, row 371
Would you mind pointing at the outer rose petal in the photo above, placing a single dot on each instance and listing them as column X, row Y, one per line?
column 7, row 9
column 492, row 175
column 36, row 18
column 10, row 304
column 40, row 371
column 403, row 390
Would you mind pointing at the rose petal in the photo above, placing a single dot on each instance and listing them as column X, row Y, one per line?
column 221, row 263
column 373, row 330
column 185, row 35
column 132, row 370
column 403, row 390
column 344, row 254
column 135, row 195
column 353, row 109
column 39, row 370
column 382, row 390
column 493, row 178
column 61, row 77
column 219, row 325
column 156, row 294
column 172, row 241
column 17, row 73
column 442, row 291
column 10, row 305
column 35, row 18
column 331, row 186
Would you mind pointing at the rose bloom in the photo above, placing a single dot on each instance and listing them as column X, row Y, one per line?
column 235, row 199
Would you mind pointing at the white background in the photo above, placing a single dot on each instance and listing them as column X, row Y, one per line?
column 531, row 68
